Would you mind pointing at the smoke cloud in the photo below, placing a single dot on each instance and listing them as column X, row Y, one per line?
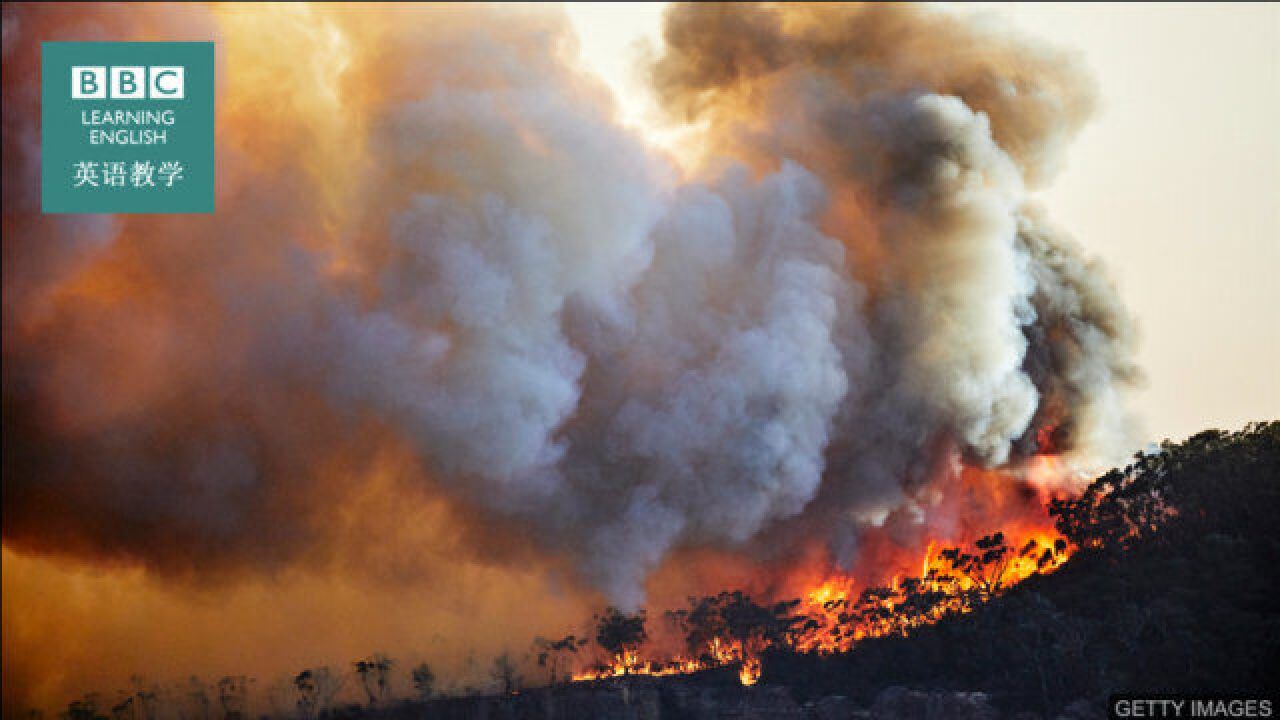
column 434, row 242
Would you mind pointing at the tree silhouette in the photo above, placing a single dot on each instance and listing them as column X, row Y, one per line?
column 556, row 654
column 375, row 676
column 316, row 688
column 621, row 635
column 423, row 681
column 1186, row 490
column 731, row 626
column 985, row 568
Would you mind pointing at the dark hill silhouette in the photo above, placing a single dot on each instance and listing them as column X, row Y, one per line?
column 1173, row 589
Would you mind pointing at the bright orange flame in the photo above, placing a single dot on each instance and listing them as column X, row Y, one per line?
column 832, row 590
column 954, row 577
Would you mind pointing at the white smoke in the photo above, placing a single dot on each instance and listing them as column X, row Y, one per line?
column 573, row 338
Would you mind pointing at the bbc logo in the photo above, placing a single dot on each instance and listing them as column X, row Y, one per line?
column 157, row 82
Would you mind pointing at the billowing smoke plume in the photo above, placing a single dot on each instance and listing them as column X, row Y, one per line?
column 432, row 238
column 989, row 335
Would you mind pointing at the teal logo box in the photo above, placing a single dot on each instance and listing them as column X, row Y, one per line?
column 127, row 127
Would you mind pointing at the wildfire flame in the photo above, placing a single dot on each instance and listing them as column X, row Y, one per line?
column 837, row 611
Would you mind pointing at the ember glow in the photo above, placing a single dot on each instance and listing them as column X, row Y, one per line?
column 454, row 326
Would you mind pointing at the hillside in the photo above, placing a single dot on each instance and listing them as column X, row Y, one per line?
column 1172, row 588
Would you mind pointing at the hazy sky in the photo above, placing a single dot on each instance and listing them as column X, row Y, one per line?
column 1175, row 184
